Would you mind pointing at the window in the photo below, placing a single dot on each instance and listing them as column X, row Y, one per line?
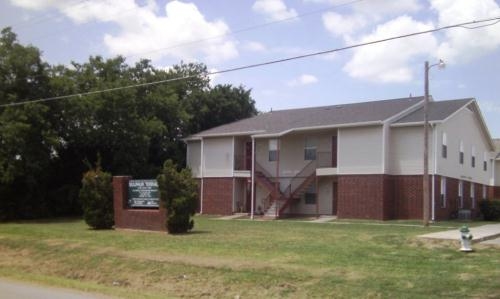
column 273, row 150
column 461, row 156
column 444, row 147
column 310, row 149
column 310, row 196
column 443, row 192
column 461, row 194
column 472, row 196
column 485, row 161
column 473, row 157
column 485, row 192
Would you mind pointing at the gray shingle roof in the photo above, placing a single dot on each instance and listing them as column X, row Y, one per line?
column 276, row 122
column 437, row 111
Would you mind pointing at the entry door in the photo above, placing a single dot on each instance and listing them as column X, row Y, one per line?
column 334, row 151
column 248, row 156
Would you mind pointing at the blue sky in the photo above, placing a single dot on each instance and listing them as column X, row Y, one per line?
column 170, row 31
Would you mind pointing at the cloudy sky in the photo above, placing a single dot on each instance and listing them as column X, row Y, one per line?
column 225, row 34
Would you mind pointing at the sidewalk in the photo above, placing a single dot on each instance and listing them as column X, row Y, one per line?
column 479, row 233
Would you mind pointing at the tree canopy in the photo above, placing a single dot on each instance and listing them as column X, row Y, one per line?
column 46, row 146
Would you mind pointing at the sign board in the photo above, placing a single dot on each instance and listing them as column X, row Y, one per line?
column 143, row 194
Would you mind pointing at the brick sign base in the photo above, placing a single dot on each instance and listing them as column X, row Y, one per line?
column 142, row 219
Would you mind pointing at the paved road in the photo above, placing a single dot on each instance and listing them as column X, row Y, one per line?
column 19, row 290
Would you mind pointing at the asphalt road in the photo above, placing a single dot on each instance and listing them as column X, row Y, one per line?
column 10, row 289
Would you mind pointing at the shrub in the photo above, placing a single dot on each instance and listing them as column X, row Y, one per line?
column 490, row 209
column 179, row 194
column 96, row 196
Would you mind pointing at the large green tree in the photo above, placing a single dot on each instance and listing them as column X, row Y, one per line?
column 26, row 136
column 46, row 146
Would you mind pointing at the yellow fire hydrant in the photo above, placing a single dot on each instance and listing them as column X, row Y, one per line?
column 465, row 239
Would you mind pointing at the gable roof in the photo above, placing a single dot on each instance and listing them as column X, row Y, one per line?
column 281, row 121
column 437, row 111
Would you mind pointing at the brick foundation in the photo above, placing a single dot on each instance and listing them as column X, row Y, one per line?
column 145, row 219
column 495, row 192
column 217, row 196
column 384, row 197
column 365, row 197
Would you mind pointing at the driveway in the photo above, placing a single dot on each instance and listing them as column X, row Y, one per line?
column 10, row 289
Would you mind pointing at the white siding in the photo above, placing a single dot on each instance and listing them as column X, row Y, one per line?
column 193, row 159
column 465, row 127
column 406, row 151
column 360, row 150
column 218, row 157
column 497, row 173
column 291, row 152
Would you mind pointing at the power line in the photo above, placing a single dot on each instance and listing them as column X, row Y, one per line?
column 460, row 25
column 250, row 28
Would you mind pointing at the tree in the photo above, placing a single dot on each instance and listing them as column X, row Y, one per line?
column 96, row 196
column 228, row 103
column 26, row 136
column 43, row 145
column 178, row 192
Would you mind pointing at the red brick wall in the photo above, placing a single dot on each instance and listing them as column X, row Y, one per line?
column 408, row 195
column 495, row 192
column 146, row 219
column 362, row 196
column 218, row 196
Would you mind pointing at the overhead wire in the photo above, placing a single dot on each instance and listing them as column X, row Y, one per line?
column 249, row 66
column 246, row 29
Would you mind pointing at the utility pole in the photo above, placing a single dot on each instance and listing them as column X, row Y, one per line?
column 425, row 185
column 426, row 149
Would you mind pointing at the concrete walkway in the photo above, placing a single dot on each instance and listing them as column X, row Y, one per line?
column 479, row 233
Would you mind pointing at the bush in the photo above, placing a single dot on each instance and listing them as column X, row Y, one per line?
column 96, row 196
column 178, row 192
column 490, row 209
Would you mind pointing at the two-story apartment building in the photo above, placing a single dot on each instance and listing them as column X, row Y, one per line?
column 362, row 160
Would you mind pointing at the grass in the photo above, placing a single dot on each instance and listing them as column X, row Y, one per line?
column 249, row 259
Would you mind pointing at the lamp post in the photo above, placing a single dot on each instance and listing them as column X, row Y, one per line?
column 426, row 198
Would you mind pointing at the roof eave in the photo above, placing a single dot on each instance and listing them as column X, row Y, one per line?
column 312, row 128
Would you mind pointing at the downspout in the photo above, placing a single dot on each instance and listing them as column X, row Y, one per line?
column 252, row 193
column 201, row 174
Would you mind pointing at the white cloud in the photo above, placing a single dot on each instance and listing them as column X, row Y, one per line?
column 462, row 45
column 388, row 61
column 274, row 9
column 304, row 79
column 144, row 31
column 343, row 25
column 254, row 46
column 363, row 14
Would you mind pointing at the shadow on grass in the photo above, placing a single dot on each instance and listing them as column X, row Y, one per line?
column 46, row 220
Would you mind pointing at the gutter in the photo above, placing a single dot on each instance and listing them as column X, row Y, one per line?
column 303, row 129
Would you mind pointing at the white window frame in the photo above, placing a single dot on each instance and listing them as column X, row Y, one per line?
column 444, row 147
column 310, row 148
column 273, row 150
column 443, row 192
column 461, row 194
column 461, row 154
column 473, row 195
column 473, row 157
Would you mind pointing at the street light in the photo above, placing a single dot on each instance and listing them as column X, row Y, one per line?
column 426, row 197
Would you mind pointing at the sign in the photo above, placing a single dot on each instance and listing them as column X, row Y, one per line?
column 143, row 194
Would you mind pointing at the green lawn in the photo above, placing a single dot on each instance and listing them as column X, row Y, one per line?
column 250, row 259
